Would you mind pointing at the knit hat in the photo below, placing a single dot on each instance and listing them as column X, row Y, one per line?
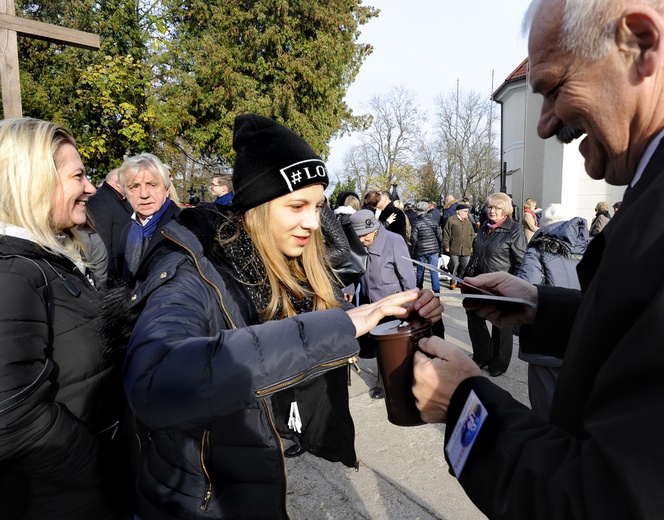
column 364, row 222
column 553, row 213
column 271, row 161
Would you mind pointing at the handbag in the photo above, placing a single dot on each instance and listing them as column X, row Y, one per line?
column 355, row 266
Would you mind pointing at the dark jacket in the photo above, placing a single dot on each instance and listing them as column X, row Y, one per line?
column 458, row 236
column 199, row 375
column 448, row 211
column 336, row 243
column 399, row 225
column 600, row 455
column 171, row 212
column 61, row 456
column 500, row 250
column 110, row 213
column 551, row 259
column 426, row 238
column 554, row 252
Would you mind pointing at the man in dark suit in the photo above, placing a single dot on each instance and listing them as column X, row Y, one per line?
column 110, row 212
column 599, row 455
column 147, row 182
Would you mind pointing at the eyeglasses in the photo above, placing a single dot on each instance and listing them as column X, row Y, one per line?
column 213, row 185
column 494, row 208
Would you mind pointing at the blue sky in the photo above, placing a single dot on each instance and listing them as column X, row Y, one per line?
column 426, row 45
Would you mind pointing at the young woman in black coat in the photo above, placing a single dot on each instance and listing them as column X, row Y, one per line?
column 240, row 307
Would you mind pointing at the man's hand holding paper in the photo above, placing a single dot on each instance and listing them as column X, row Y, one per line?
column 502, row 284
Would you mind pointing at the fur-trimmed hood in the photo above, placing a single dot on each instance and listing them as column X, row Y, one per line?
column 562, row 238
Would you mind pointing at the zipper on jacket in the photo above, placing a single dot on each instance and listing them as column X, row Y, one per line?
column 205, row 441
column 200, row 271
column 276, row 435
column 298, row 379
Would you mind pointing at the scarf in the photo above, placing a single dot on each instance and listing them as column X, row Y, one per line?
column 494, row 226
column 233, row 253
column 139, row 237
column 225, row 199
column 532, row 213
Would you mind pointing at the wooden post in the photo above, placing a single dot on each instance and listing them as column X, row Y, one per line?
column 10, row 27
column 11, row 83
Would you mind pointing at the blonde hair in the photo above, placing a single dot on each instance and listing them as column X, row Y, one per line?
column 353, row 202
column 530, row 203
column 602, row 206
column 290, row 276
column 502, row 201
column 28, row 179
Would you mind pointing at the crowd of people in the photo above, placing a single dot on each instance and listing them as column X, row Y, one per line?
column 155, row 357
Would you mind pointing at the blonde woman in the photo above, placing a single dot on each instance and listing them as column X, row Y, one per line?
column 61, row 400
column 601, row 219
column 240, row 307
column 529, row 221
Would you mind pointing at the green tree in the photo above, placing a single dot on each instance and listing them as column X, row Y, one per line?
column 340, row 187
column 100, row 95
column 289, row 60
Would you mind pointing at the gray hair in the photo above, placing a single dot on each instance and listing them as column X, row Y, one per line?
column 144, row 161
column 588, row 26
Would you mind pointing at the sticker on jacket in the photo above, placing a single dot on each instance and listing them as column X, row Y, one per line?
column 465, row 432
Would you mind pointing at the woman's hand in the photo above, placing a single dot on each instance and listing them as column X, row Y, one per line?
column 428, row 306
column 401, row 305
column 391, row 218
column 366, row 317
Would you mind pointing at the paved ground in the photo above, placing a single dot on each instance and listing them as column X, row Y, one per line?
column 403, row 474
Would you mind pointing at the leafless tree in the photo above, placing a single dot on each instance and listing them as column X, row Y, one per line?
column 463, row 125
column 384, row 154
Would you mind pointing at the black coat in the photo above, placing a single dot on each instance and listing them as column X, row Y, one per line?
column 171, row 212
column 58, row 459
column 426, row 237
column 500, row 250
column 600, row 454
column 110, row 213
column 399, row 225
column 200, row 376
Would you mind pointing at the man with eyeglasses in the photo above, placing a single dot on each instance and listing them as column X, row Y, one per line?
column 222, row 189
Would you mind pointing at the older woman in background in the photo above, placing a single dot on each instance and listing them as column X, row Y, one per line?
column 529, row 220
column 499, row 246
column 601, row 219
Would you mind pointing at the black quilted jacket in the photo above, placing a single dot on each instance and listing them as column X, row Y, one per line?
column 426, row 237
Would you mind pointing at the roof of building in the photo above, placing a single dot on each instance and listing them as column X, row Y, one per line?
column 517, row 74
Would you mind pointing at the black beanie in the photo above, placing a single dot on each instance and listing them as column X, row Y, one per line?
column 271, row 161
